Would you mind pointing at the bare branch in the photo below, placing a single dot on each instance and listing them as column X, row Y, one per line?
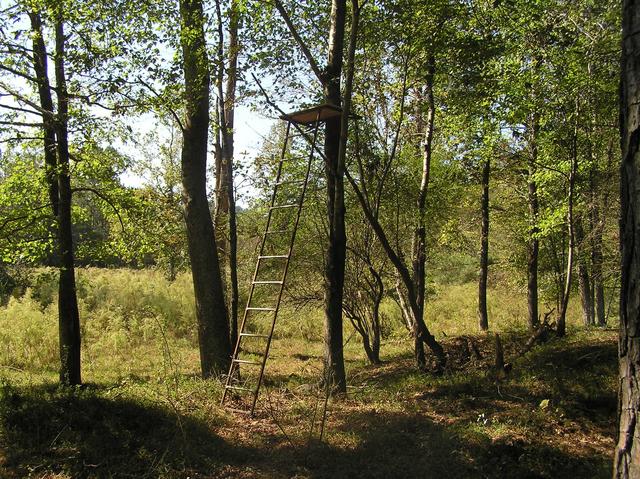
column 17, row 108
column 272, row 104
column 21, row 138
column 24, row 75
column 171, row 110
column 103, row 198
column 21, row 123
column 394, row 146
column 22, row 217
column 21, row 98
column 303, row 46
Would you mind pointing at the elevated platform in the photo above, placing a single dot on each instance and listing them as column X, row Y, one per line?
column 308, row 116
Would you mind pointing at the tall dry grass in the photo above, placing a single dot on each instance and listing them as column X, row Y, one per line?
column 136, row 323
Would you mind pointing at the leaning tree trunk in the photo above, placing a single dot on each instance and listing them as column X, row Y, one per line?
column 534, row 244
column 627, row 454
column 211, row 310
column 412, row 304
column 483, row 317
column 68, row 315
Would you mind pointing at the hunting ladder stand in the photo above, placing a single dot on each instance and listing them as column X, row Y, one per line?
column 241, row 392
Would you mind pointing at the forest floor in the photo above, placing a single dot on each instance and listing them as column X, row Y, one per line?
column 553, row 416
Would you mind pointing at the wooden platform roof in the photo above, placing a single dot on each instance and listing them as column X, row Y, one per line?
column 310, row 115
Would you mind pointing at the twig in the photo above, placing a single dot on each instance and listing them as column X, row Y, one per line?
column 57, row 436
column 327, row 385
column 275, row 419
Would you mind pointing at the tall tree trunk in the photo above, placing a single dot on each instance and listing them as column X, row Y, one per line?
column 68, row 315
column 585, row 292
column 377, row 294
column 596, row 265
column 336, row 248
column 228, row 153
column 584, row 282
column 597, row 293
column 561, row 327
column 534, row 244
column 419, row 233
column 211, row 310
column 627, row 454
column 375, row 332
column 335, row 153
column 483, row 317
column 46, row 102
column 225, row 220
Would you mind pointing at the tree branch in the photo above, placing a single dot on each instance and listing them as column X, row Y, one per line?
column 21, row 123
column 17, row 108
column 305, row 50
column 24, row 75
column 171, row 110
column 49, row 114
column 103, row 198
column 272, row 104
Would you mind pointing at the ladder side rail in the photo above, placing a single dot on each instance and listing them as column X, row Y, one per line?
column 286, row 266
column 311, row 139
column 236, row 350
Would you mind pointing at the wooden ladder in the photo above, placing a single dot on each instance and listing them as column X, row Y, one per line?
column 237, row 390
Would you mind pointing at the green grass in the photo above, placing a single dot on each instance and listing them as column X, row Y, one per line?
column 143, row 412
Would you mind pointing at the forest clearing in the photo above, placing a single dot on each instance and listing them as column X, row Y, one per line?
column 319, row 239
column 143, row 412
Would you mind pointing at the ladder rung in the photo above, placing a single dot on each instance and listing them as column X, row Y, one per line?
column 246, row 361
column 274, row 232
column 273, row 256
column 240, row 388
column 276, row 207
column 260, row 309
column 267, row 282
column 254, row 335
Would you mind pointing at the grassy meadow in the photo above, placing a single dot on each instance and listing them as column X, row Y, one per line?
column 143, row 411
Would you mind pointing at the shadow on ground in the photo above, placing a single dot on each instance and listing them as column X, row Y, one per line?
column 46, row 430
column 411, row 425
column 400, row 446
